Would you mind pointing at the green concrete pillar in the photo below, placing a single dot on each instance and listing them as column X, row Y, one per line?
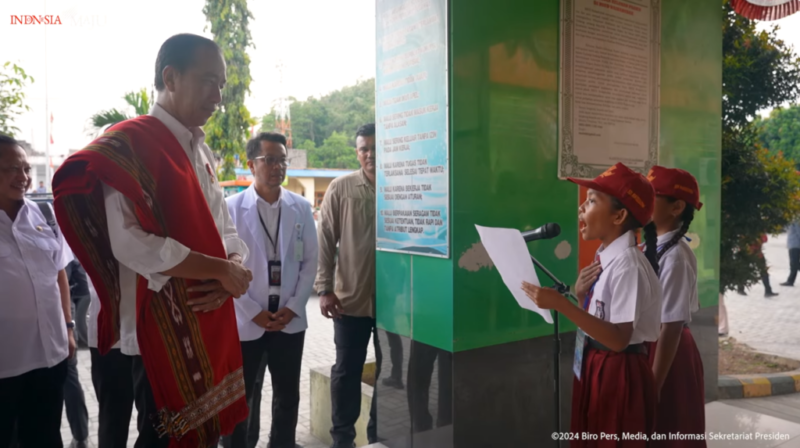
column 475, row 368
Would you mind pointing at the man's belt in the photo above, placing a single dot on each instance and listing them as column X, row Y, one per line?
column 637, row 349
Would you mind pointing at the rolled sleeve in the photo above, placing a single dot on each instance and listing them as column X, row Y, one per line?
column 233, row 244
column 144, row 253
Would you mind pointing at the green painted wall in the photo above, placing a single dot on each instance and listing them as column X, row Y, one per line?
column 503, row 156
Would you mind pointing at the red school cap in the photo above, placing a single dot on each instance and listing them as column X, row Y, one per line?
column 629, row 187
column 675, row 183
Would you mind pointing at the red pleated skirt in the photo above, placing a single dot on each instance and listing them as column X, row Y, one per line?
column 681, row 409
column 616, row 395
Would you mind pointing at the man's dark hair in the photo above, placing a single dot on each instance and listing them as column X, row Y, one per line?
column 367, row 130
column 178, row 51
column 8, row 141
column 254, row 145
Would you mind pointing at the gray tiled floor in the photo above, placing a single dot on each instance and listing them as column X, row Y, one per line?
column 769, row 325
column 319, row 351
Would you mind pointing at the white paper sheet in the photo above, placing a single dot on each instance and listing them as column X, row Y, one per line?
column 510, row 255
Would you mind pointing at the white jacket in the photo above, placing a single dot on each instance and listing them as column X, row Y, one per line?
column 297, row 277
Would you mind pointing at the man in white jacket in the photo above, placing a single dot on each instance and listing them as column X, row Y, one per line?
column 278, row 227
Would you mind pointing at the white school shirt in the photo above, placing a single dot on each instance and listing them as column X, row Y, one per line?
column 33, row 329
column 678, row 277
column 147, row 254
column 628, row 290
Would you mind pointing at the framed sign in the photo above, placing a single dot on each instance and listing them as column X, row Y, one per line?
column 411, row 109
column 609, row 86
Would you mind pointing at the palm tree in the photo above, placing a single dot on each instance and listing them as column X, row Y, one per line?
column 140, row 101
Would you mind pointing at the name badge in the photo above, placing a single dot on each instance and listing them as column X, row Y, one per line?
column 577, row 362
column 274, row 273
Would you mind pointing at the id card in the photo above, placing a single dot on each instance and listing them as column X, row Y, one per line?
column 580, row 343
column 298, row 250
column 274, row 273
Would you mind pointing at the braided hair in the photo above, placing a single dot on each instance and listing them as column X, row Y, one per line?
column 686, row 220
column 650, row 235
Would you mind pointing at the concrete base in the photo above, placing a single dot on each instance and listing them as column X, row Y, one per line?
column 320, row 397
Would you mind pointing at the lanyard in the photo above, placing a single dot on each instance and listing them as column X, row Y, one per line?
column 590, row 294
column 277, row 232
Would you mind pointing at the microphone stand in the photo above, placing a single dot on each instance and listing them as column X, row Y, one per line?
column 562, row 289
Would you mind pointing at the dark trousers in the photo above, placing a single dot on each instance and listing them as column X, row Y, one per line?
column 80, row 311
column 33, row 403
column 146, row 407
column 75, row 403
column 794, row 265
column 396, row 355
column 351, row 335
column 112, row 377
column 282, row 353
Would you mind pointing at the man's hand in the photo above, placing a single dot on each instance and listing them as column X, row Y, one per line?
column 267, row 321
column 71, row 342
column 330, row 306
column 214, row 297
column 235, row 279
column 284, row 316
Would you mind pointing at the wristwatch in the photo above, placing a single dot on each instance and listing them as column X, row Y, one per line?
column 70, row 324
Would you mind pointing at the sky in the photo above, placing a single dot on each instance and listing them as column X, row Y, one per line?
column 789, row 32
column 105, row 48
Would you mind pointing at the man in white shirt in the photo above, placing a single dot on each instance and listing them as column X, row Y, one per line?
column 42, row 189
column 35, row 320
column 279, row 228
column 190, row 74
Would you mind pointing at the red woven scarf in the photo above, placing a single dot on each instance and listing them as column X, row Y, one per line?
column 193, row 361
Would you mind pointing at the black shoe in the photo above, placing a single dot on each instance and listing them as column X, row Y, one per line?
column 769, row 294
column 787, row 284
column 393, row 382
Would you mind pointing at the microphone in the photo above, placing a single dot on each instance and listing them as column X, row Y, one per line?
column 545, row 232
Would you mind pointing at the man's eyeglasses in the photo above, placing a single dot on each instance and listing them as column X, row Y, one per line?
column 272, row 161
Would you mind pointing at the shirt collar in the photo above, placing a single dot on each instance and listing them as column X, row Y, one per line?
column 663, row 239
column 364, row 178
column 277, row 203
column 608, row 254
column 21, row 215
column 181, row 132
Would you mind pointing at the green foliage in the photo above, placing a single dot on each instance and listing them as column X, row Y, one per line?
column 316, row 120
column 336, row 152
column 780, row 132
column 13, row 80
column 760, row 195
column 227, row 130
column 760, row 190
column 140, row 101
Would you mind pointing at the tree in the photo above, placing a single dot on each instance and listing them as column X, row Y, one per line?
column 335, row 152
column 141, row 102
column 780, row 132
column 760, row 191
column 343, row 110
column 13, row 81
column 227, row 130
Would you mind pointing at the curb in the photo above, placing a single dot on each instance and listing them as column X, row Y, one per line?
column 760, row 385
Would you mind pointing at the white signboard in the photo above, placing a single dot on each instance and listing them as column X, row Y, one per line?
column 609, row 92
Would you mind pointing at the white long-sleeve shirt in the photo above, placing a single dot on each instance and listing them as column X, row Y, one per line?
column 146, row 254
